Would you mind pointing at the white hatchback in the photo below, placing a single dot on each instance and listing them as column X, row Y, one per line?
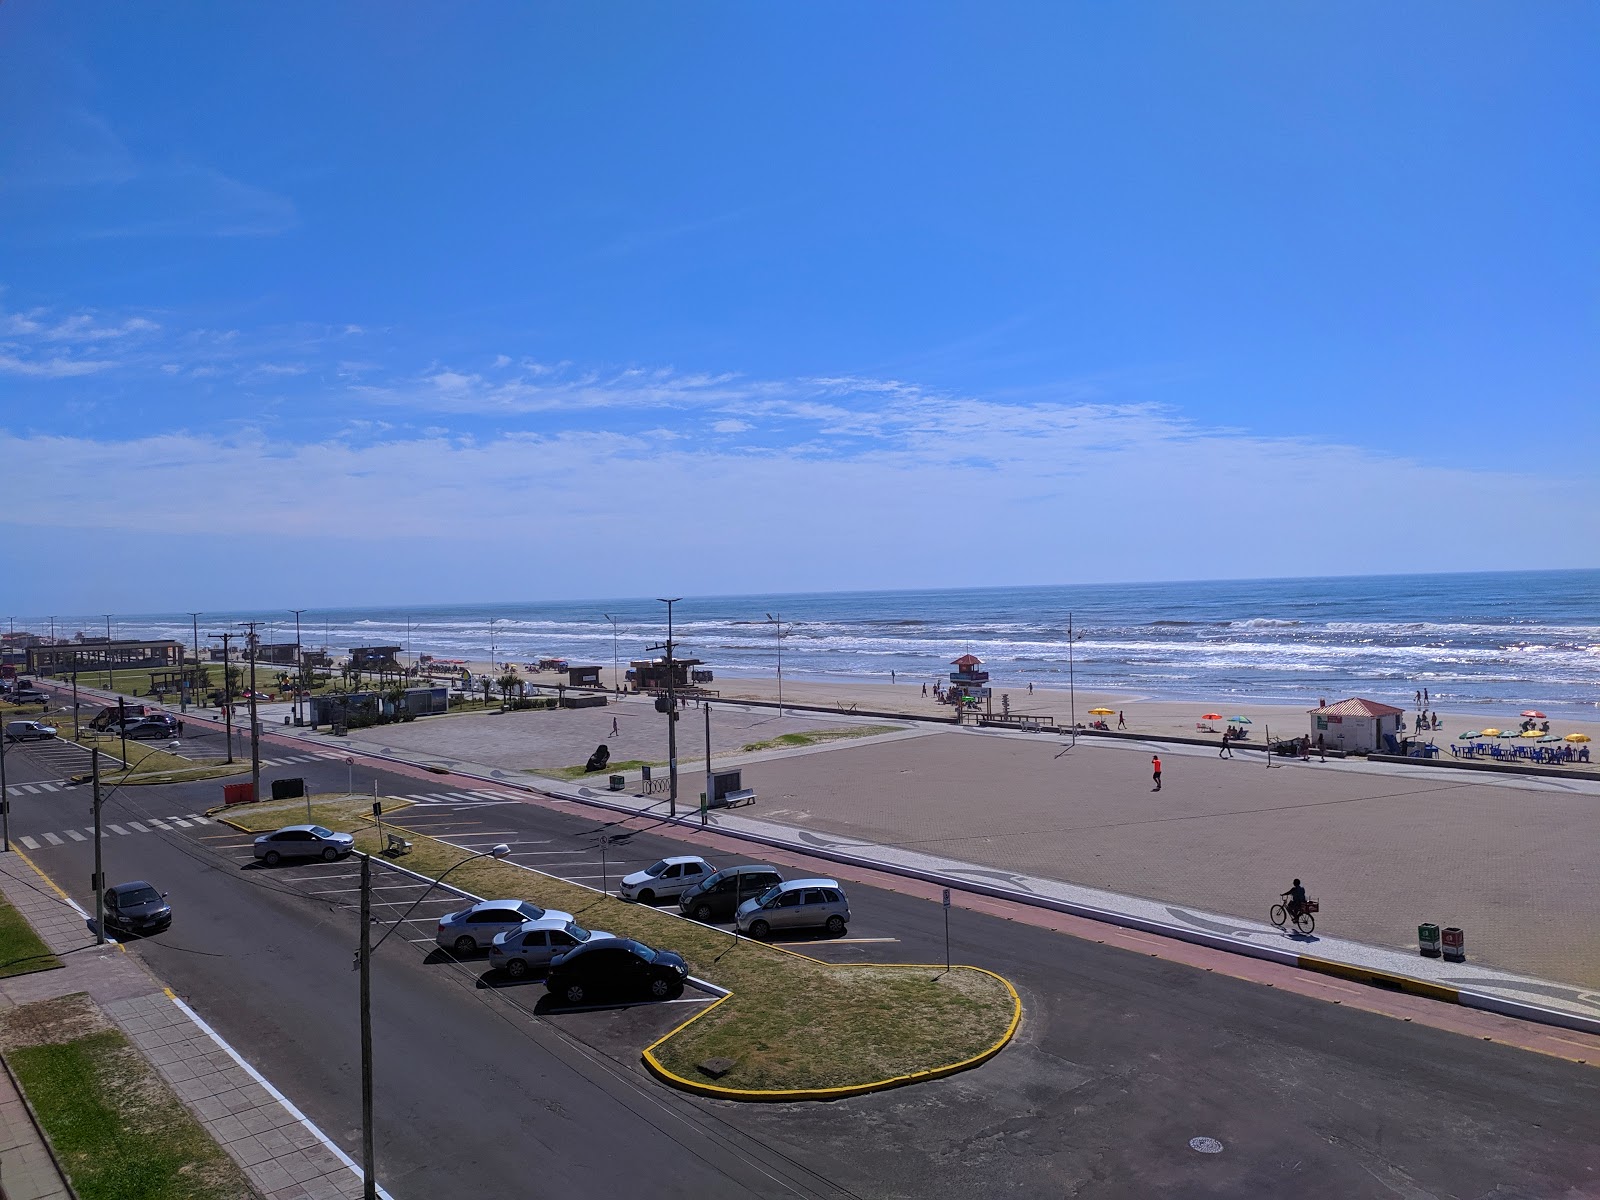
column 665, row 880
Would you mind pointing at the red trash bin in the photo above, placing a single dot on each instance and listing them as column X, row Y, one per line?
column 238, row 793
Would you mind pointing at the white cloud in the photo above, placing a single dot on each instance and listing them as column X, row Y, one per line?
column 731, row 425
column 53, row 368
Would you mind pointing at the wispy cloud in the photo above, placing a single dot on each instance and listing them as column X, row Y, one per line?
column 53, row 368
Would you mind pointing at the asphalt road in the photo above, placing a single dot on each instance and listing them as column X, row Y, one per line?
column 1121, row 1060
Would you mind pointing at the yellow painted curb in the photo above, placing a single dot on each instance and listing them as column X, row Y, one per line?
column 17, row 850
column 1404, row 983
column 654, row 1065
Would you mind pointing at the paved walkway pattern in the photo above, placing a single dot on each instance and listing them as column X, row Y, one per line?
column 284, row 1156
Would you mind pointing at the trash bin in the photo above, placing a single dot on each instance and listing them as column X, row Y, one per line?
column 1455, row 945
column 1428, row 940
column 618, row 783
column 238, row 793
column 288, row 789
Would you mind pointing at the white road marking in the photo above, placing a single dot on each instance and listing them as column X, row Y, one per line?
column 52, row 839
column 76, row 836
column 157, row 822
column 117, row 829
column 139, row 827
column 179, row 822
column 49, row 787
column 29, row 843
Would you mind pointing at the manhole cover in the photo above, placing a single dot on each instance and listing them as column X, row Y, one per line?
column 1205, row 1145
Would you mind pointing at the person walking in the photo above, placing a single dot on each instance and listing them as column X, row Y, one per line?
column 613, row 727
column 924, row 689
column 1155, row 770
column 1030, row 687
column 1121, row 723
column 1227, row 750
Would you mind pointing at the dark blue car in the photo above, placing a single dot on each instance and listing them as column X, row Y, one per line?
column 616, row 969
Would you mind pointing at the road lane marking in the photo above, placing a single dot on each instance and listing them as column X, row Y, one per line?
column 52, row 839
column 29, row 843
column 157, row 822
column 834, row 941
column 179, row 822
column 49, row 787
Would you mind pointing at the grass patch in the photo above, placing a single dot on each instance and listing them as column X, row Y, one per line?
column 148, row 764
column 337, row 811
column 119, row 1130
column 812, row 737
column 793, row 1022
column 21, row 951
column 616, row 768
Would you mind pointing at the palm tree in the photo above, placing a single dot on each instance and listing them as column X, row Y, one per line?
column 506, row 682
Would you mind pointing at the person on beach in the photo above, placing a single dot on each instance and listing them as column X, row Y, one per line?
column 891, row 676
column 1121, row 723
column 1030, row 687
column 924, row 689
column 1227, row 750
column 613, row 727
column 1155, row 770
column 1425, row 697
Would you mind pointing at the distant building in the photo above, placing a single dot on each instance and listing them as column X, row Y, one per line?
column 275, row 652
column 652, row 672
column 583, row 676
column 1356, row 725
column 969, row 678
column 375, row 658
column 64, row 658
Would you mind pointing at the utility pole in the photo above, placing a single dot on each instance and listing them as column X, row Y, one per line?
column 52, row 631
column 109, row 685
column 1072, row 680
column 186, row 686
column 705, row 804
column 227, row 689
column 122, row 724
column 299, row 667
column 776, row 620
column 369, row 1180
column 5, row 800
column 616, row 678
column 252, row 643
column 99, row 878
column 672, row 715
column 74, row 703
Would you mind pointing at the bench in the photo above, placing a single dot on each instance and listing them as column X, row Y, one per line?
column 397, row 845
column 735, row 799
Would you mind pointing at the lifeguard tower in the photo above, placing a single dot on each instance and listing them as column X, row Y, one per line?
column 968, row 681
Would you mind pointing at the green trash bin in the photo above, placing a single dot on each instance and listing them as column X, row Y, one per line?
column 1428, row 940
column 618, row 782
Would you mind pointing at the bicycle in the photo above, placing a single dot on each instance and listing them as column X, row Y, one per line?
column 1304, row 922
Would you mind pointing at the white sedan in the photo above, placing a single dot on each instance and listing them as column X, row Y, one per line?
column 531, row 946
column 665, row 880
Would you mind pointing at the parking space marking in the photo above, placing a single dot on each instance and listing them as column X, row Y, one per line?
column 835, row 941
column 377, row 887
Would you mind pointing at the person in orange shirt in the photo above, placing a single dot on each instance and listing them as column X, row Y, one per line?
column 1155, row 770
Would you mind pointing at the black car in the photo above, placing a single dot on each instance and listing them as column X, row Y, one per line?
column 718, row 897
column 136, row 908
column 152, row 727
column 616, row 969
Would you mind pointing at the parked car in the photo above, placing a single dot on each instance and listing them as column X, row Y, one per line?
column 136, row 908
column 476, row 927
column 152, row 727
column 303, row 841
column 616, row 968
column 28, row 731
column 665, row 880
column 532, row 945
column 27, row 696
column 797, row 904
column 717, row 897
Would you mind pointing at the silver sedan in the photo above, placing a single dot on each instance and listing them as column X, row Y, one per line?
column 303, row 841
column 532, row 945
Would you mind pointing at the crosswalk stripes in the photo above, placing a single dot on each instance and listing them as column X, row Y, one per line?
column 460, row 799
column 76, row 836
column 32, row 789
column 148, row 825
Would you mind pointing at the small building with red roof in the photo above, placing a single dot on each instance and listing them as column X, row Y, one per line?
column 1356, row 725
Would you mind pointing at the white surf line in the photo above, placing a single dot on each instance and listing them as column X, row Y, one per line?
column 288, row 1105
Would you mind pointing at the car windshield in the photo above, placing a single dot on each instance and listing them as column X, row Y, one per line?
column 321, row 832
column 655, row 869
column 144, row 895
column 644, row 952
column 531, row 911
column 577, row 932
column 769, row 894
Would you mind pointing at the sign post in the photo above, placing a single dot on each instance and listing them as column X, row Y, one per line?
column 947, row 931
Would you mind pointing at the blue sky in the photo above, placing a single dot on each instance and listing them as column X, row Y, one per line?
column 333, row 304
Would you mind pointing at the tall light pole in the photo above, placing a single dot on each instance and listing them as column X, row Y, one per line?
column 299, row 666
column 672, row 714
column 5, row 800
column 492, row 621
column 776, row 621
column 1072, row 679
column 369, row 1182
column 252, row 643
column 227, row 689
column 109, row 685
column 616, row 679
column 52, row 631
column 194, row 625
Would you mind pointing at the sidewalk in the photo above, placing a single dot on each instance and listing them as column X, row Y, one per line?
column 284, row 1156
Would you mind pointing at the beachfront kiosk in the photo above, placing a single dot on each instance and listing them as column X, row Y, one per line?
column 1356, row 725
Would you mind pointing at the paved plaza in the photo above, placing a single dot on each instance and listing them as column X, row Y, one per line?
column 566, row 737
column 1511, row 862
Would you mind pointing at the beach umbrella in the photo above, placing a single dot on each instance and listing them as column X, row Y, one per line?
column 1101, row 712
column 1490, row 733
column 1576, row 737
column 1211, row 716
column 1533, row 712
column 1467, row 737
column 1241, row 720
column 1531, row 733
column 1549, row 737
column 1509, row 733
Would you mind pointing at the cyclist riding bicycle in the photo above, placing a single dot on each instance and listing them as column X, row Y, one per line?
column 1296, row 896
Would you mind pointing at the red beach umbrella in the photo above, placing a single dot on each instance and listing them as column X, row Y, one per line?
column 1533, row 712
column 1211, row 716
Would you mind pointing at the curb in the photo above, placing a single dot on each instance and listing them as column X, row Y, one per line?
column 714, row 1092
column 38, row 1127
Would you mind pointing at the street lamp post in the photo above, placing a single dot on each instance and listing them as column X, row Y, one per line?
column 672, row 714
column 227, row 690
column 110, row 687
column 299, row 668
column 364, row 953
column 492, row 621
column 616, row 679
column 776, row 621
column 1072, row 679
column 254, row 645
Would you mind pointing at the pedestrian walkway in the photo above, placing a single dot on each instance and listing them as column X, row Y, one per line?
column 124, row 828
column 284, row 1155
column 41, row 787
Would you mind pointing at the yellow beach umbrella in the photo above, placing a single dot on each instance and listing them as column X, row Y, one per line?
column 1577, row 737
column 1490, row 733
column 1102, row 712
column 1533, row 733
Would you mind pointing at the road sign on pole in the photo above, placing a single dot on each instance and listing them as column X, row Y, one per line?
column 947, row 931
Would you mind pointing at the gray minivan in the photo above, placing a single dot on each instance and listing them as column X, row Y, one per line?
column 797, row 904
column 719, row 897
column 23, row 731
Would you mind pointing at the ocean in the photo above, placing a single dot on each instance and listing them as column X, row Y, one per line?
column 1495, row 640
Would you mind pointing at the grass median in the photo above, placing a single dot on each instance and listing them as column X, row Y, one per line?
column 21, row 951
column 793, row 1023
column 148, row 764
column 118, row 1129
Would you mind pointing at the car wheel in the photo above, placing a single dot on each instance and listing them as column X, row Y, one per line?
column 272, row 858
column 330, row 855
column 665, row 989
column 702, row 912
column 466, row 944
column 647, row 897
column 573, row 993
column 836, row 925
column 759, row 929
column 516, row 968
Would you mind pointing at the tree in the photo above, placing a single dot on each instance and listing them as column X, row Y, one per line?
column 507, row 683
